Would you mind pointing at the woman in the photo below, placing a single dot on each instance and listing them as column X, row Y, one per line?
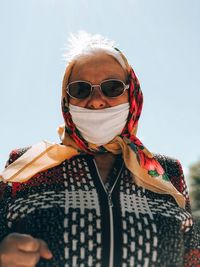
column 99, row 198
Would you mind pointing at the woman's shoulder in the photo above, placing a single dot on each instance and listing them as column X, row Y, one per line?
column 171, row 165
column 15, row 154
column 174, row 171
column 5, row 188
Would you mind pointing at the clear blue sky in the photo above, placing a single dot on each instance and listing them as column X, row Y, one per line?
column 161, row 39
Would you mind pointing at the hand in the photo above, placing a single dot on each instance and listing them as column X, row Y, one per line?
column 20, row 250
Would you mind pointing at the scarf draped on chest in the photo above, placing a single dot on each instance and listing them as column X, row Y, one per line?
column 146, row 170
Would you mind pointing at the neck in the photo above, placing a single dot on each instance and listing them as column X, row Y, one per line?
column 105, row 158
column 104, row 163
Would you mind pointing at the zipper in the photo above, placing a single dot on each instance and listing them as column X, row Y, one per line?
column 111, row 205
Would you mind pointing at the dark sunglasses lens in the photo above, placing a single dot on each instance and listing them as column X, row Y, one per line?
column 79, row 90
column 112, row 88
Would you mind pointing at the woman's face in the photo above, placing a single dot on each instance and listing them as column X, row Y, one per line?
column 95, row 68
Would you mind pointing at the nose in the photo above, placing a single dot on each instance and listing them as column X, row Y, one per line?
column 97, row 100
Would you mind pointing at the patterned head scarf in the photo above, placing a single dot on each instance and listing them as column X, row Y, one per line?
column 146, row 170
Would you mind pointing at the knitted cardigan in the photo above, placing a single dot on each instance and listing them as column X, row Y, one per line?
column 88, row 223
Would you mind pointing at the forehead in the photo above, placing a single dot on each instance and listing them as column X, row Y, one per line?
column 97, row 63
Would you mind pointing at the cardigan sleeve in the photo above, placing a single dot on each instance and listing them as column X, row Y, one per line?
column 174, row 170
column 191, row 233
column 192, row 246
column 192, row 236
column 6, row 194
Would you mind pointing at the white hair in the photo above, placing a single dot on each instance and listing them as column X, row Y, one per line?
column 83, row 43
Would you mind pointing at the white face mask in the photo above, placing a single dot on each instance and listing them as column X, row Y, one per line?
column 99, row 126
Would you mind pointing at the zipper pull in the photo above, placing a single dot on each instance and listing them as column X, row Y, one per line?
column 110, row 200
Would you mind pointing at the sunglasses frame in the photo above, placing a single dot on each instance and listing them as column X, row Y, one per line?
column 126, row 86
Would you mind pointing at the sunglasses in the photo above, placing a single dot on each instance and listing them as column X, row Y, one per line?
column 110, row 88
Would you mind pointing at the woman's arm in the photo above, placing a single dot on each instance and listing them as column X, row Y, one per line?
column 191, row 230
column 17, row 249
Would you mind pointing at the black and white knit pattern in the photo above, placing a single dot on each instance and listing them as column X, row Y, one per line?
column 70, row 208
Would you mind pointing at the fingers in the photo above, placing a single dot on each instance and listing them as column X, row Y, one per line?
column 21, row 258
column 27, row 243
column 22, row 250
column 44, row 250
column 30, row 244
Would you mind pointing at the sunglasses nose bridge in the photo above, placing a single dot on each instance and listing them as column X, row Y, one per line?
column 95, row 86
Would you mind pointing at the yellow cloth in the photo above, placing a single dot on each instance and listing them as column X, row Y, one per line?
column 39, row 157
column 45, row 155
